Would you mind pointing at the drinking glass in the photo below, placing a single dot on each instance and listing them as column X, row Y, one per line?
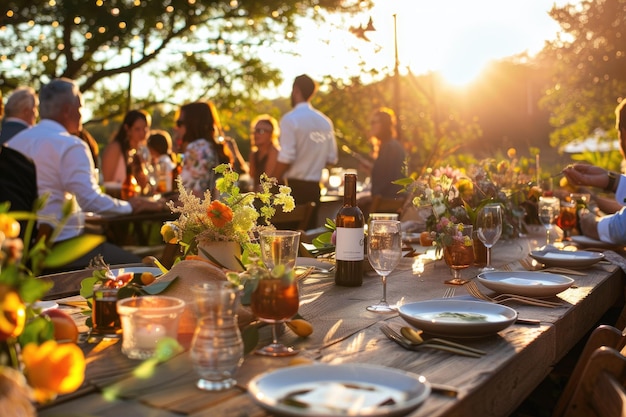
column 276, row 299
column 489, row 229
column 458, row 252
column 567, row 218
column 548, row 210
column 384, row 250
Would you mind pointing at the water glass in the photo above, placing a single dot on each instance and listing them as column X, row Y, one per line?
column 145, row 321
column 489, row 229
column 217, row 347
column 548, row 211
column 384, row 250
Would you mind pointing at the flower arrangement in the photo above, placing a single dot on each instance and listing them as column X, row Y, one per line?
column 449, row 233
column 33, row 365
column 233, row 217
column 459, row 195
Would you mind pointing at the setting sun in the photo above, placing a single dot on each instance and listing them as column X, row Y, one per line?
column 454, row 37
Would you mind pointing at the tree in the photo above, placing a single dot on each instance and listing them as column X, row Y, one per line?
column 203, row 48
column 587, row 65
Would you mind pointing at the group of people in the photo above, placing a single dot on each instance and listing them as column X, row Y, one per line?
column 52, row 157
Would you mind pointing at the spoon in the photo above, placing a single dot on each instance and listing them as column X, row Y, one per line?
column 414, row 337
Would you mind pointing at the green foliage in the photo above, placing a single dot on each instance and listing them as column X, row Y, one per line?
column 204, row 48
column 587, row 66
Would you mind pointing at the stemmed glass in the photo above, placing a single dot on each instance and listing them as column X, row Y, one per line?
column 567, row 218
column 489, row 229
column 548, row 210
column 458, row 251
column 384, row 250
column 276, row 299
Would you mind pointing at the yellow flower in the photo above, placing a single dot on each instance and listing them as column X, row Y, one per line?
column 12, row 313
column 53, row 369
column 219, row 213
column 9, row 226
column 169, row 233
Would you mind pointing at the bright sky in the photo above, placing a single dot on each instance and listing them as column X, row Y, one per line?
column 456, row 37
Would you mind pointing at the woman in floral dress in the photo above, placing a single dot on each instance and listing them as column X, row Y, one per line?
column 197, row 128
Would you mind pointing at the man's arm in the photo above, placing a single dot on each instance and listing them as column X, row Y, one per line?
column 279, row 171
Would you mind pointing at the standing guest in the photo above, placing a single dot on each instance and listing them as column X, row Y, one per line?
column 130, row 138
column 390, row 161
column 264, row 154
column 65, row 169
column 20, row 112
column 307, row 144
column 197, row 127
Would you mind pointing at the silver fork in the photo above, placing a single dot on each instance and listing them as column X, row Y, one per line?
column 475, row 292
column 400, row 340
column 449, row 292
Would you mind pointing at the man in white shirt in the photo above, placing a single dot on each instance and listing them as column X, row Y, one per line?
column 65, row 167
column 20, row 112
column 307, row 144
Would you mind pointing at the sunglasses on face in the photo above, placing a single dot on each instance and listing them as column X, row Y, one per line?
column 180, row 123
column 262, row 131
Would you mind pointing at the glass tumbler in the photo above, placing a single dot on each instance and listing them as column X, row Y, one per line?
column 217, row 347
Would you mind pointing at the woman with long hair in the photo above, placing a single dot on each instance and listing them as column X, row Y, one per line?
column 130, row 137
column 197, row 133
column 264, row 132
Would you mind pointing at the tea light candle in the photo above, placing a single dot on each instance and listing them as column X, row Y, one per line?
column 147, row 337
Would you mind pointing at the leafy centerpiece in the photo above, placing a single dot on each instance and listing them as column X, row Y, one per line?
column 232, row 217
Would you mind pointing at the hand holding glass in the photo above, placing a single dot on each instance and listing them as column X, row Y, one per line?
column 489, row 229
column 384, row 250
column 276, row 299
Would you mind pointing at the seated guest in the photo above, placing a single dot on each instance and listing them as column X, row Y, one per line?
column 20, row 113
column 160, row 146
column 65, row 169
column 608, row 228
column 18, row 182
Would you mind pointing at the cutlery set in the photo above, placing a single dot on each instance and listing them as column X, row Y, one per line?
column 436, row 343
column 474, row 291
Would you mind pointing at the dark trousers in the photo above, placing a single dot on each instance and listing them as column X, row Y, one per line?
column 305, row 192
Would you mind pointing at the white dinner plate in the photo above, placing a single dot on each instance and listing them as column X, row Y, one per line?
column 314, row 262
column 564, row 258
column 529, row 284
column 324, row 390
column 45, row 305
column 458, row 318
column 137, row 270
column 587, row 242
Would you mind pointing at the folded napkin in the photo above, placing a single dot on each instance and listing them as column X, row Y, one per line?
column 348, row 399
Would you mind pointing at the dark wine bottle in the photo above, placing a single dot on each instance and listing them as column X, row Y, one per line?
column 349, row 239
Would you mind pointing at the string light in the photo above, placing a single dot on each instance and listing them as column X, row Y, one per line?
column 77, row 20
column 10, row 13
column 102, row 29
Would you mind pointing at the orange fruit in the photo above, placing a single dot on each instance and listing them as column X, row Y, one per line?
column 65, row 330
column 147, row 278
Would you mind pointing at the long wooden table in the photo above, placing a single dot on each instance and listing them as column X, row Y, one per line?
column 518, row 358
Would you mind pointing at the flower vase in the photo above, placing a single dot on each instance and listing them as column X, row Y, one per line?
column 480, row 251
column 224, row 254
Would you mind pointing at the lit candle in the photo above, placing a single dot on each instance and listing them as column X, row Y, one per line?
column 147, row 337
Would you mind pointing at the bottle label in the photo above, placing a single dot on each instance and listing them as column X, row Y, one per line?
column 349, row 244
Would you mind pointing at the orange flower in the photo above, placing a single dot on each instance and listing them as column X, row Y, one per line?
column 219, row 213
column 12, row 313
column 53, row 368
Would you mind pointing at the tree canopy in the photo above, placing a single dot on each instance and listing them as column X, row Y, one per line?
column 586, row 63
column 204, row 48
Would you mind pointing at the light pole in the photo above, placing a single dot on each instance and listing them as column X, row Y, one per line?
column 396, row 78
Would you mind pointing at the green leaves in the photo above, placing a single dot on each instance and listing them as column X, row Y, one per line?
column 71, row 249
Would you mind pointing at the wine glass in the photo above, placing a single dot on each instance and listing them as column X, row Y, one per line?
column 276, row 298
column 548, row 210
column 384, row 250
column 489, row 229
column 567, row 218
column 458, row 251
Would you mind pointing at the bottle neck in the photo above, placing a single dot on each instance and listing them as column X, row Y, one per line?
column 349, row 193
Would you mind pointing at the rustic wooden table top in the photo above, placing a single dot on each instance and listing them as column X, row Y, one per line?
column 517, row 360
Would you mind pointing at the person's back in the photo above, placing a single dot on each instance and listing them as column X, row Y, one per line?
column 307, row 143
column 20, row 113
